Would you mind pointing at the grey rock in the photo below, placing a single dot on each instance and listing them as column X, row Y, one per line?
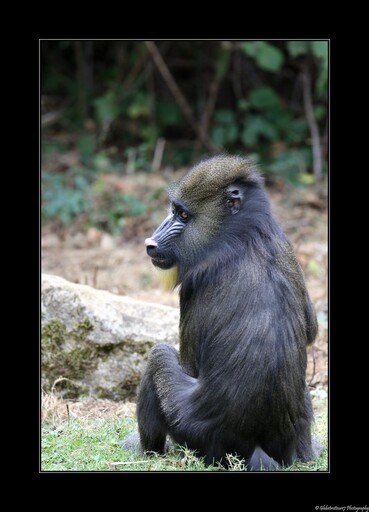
column 97, row 340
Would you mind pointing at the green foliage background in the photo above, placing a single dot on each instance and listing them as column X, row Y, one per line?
column 109, row 102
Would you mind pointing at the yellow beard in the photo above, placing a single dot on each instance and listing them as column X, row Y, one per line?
column 168, row 278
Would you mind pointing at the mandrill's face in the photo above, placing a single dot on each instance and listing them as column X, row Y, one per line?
column 203, row 204
column 161, row 247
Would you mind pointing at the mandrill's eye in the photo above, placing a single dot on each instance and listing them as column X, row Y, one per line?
column 179, row 212
column 183, row 214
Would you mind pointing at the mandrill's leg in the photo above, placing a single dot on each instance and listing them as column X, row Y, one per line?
column 163, row 398
column 151, row 421
column 307, row 447
column 154, row 401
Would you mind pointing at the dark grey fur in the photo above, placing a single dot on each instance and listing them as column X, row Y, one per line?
column 238, row 383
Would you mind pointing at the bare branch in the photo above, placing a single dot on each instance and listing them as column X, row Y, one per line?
column 313, row 125
column 51, row 117
column 179, row 97
column 210, row 105
column 140, row 62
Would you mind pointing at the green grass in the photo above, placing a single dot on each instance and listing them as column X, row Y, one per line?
column 93, row 444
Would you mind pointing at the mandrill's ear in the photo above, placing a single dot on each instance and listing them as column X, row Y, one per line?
column 234, row 198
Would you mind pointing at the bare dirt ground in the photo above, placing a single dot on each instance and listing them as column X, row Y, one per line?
column 121, row 266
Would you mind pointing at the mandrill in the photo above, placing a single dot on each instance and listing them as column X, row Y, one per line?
column 237, row 384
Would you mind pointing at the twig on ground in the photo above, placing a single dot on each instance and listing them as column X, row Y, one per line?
column 158, row 154
column 313, row 373
column 94, row 276
column 126, row 463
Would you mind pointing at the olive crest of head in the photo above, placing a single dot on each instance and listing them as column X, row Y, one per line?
column 211, row 177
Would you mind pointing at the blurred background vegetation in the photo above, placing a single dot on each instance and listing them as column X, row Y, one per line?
column 113, row 109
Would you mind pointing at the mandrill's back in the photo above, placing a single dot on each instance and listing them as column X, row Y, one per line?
column 269, row 316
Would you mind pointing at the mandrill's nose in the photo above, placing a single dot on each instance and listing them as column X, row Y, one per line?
column 151, row 246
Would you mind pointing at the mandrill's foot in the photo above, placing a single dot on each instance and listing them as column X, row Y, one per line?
column 260, row 461
column 317, row 448
column 132, row 444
